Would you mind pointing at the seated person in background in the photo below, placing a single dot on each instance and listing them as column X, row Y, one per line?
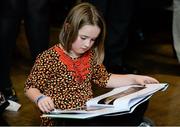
column 62, row 76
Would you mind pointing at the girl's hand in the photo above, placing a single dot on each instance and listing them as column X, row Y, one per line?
column 46, row 104
column 142, row 80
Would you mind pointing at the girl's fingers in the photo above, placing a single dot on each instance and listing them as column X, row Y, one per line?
column 46, row 105
column 150, row 80
column 43, row 108
column 51, row 104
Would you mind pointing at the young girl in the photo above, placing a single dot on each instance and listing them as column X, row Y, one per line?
column 62, row 76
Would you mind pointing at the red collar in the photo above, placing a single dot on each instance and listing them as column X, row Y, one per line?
column 79, row 66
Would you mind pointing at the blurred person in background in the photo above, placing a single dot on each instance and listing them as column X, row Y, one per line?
column 35, row 16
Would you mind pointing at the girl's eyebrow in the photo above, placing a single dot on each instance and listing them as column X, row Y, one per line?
column 83, row 35
column 86, row 36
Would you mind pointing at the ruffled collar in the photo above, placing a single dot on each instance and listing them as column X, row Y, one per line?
column 79, row 66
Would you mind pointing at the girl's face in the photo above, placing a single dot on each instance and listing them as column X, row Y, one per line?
column 86, row 37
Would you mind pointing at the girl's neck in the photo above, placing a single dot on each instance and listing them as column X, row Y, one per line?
column 70, row 53
column 73, row 55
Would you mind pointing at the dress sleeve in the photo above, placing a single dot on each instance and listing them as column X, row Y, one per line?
column 100, row 75
column 40, row 72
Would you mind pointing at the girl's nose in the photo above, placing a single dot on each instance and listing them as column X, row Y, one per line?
column 87, row 43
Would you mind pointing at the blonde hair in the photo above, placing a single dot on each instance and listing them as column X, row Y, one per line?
column 79, row 16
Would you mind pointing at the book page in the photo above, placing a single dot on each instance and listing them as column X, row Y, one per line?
column 136, row 94
column 122, row 97
column 110, row 99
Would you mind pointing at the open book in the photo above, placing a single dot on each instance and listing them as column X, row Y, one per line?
column 118, row 101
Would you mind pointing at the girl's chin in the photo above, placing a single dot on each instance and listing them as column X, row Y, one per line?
column 82, row 52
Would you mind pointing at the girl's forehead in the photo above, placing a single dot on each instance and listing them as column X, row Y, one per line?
column 88, row 26
column 90, row 29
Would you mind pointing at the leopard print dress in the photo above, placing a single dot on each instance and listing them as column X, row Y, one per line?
column 66, row 80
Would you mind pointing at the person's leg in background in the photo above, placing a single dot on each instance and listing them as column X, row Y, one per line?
column 118, row 15
column 37, row 25
column 3, row 104
column 10, row 14
column 176, row 27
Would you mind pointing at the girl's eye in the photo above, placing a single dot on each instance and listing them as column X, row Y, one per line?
column 93, row 40
column 83, row 38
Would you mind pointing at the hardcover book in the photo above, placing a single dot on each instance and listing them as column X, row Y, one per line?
column 118, row 101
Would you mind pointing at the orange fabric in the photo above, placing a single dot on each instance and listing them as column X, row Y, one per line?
column 79, row 67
